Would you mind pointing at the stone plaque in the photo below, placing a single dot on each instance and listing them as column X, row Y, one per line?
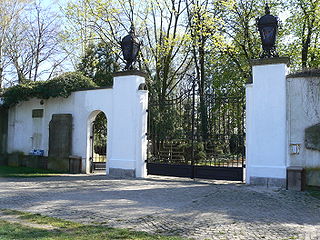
column 312, row 137
column 37, row 113
column 60, row 135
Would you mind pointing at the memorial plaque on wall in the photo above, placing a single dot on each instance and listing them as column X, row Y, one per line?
column 60, row 135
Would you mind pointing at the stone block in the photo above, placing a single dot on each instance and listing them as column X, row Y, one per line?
column 31, row 161
column 58, row 164
column 295, row 178
column 268, row 182
column 277, row 182
column 312, row 137
column 14, row 159
column 123, row 173
column 75, row 164
column 60, row 136
column 258, row 181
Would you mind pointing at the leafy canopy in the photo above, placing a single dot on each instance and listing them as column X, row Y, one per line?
column 61, row 86
column 99, row 63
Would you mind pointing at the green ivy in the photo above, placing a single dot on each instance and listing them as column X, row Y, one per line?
column 61, row 86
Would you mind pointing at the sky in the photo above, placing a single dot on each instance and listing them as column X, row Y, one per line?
column 54, row 3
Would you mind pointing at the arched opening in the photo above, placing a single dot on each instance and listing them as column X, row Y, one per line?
column 98, row 142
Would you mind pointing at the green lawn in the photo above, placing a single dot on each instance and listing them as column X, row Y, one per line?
column 6, row 171
column 65, row 229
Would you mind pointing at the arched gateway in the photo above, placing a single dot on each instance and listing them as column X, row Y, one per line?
column 61, row 127
column 98, row 138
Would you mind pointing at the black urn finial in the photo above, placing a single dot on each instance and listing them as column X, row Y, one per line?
column 130, row 46
column 267, row 9
column 268, row 29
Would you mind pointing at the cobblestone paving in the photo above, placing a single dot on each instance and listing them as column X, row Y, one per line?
column 173, row 206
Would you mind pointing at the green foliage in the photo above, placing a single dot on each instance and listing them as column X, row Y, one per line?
column 198, row 148
column 98, row 63
column 61, row 86
column 100, row 134
column 302, row 29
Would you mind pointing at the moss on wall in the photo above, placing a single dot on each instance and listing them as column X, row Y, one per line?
column 312, row 137
column 313, row 176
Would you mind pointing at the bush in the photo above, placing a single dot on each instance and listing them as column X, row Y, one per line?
column 61, row 86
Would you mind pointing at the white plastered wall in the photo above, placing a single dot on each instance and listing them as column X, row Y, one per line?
column 266, row 123
column 303, row 112
column 124, row 106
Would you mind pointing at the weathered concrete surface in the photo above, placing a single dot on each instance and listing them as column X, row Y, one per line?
column 3, row 130
column 197, row 209
column 312, row 137
column 313, row 177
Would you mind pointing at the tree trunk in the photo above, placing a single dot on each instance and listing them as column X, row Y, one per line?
column 306, row 45
column 202, row 97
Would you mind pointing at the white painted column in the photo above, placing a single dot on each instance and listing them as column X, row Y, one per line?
column 266, row 123
column 142, row 142
column 129, row 125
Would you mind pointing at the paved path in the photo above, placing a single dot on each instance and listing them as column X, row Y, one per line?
column 194, row 209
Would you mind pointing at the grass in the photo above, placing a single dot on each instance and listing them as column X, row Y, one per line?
column 313, row 191
column 66, row 230
column 6, row 171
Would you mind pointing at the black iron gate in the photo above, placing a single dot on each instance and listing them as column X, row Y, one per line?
column 98, row 143
column 180, row 146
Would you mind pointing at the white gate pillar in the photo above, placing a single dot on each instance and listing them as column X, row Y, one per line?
column 266, row 123
column 128, row 143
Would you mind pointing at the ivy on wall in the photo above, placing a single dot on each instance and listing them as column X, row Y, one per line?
column 61, row 86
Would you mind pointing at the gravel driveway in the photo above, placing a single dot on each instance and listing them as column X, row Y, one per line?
column 174, row 206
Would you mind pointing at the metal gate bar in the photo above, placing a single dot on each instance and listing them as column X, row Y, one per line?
column 183, row 151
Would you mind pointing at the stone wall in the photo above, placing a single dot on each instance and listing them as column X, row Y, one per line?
column 18, row 159
column 3, row 130
column 303, row 90
column 125, row 106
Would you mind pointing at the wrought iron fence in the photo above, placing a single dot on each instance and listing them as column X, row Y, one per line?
column 176, row 136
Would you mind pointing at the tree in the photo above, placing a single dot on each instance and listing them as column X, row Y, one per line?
column 92, row 21
column 205, row 19
column 99, row 63
column 34, row 44
column 10, row 12
column 304, row 26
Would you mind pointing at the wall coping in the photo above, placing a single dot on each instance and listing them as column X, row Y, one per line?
column 94, row 88
column 269, row 61
column 305, row 73
column 128, row 73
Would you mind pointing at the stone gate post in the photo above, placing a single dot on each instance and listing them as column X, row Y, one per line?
column 266, row 123
column 128, row 140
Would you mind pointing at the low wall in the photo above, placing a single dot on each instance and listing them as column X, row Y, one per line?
column 39, row 162
column 125, row 106
column 303, row 123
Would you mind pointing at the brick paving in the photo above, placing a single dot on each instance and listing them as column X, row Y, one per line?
column 198, row 209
